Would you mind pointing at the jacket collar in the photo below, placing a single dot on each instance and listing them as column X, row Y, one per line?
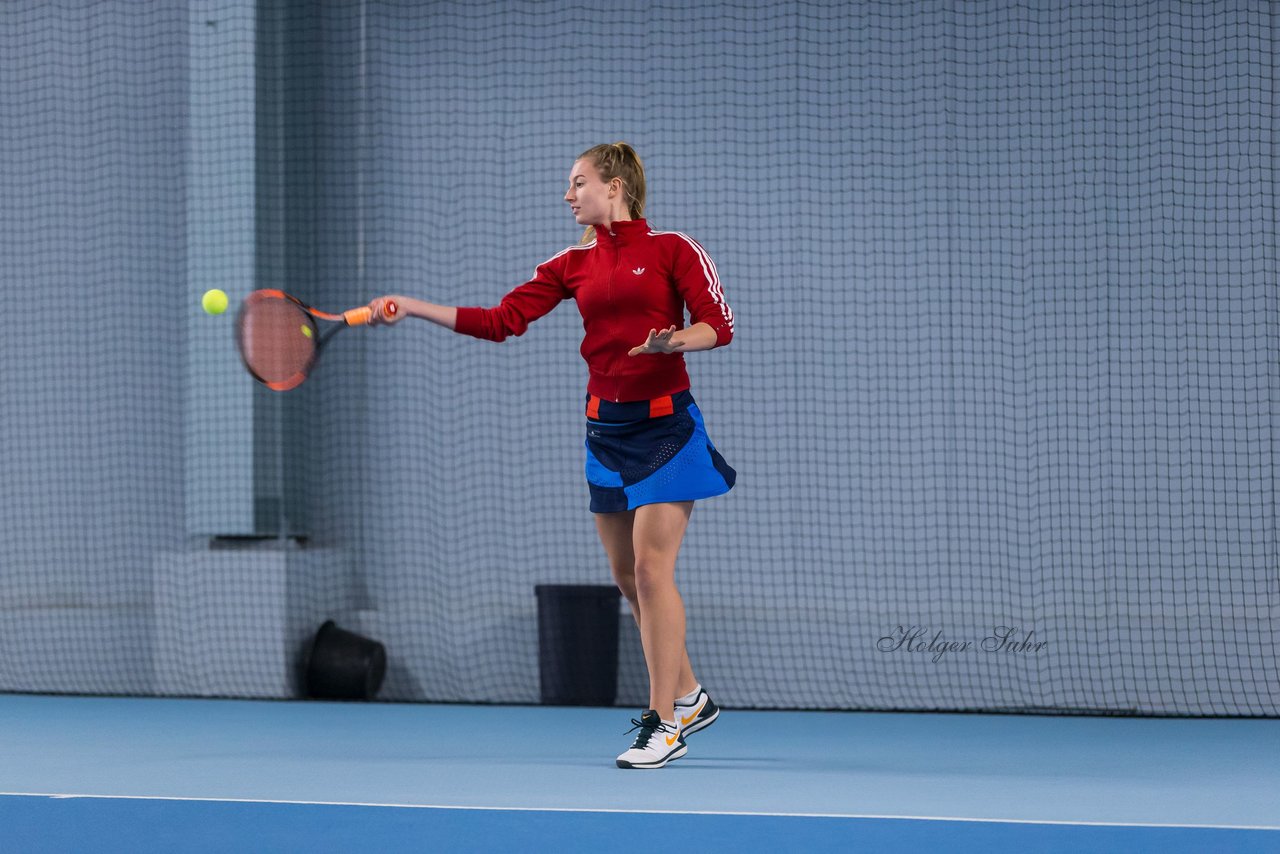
column 622, row 231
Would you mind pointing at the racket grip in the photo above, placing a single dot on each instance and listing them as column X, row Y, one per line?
column 358, row 316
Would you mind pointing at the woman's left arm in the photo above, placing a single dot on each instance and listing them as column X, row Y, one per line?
column 699, row 285
column 700, row 336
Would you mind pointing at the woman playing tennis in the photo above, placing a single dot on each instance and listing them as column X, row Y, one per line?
column 648, row 455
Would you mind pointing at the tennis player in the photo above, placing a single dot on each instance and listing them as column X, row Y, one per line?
column 648, row 457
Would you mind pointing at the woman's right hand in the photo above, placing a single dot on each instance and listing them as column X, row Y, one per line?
column 386, row 310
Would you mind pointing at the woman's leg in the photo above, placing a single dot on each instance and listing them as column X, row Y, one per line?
column 618, row 534
column 657, row 533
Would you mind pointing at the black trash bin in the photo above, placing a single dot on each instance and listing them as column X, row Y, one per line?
column 578, row 643
column 342, row 665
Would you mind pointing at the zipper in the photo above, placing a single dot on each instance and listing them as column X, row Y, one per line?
column 613, row 368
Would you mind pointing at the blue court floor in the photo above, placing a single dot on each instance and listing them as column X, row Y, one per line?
column 113, row 774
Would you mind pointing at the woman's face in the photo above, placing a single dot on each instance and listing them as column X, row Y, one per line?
column 590, row 198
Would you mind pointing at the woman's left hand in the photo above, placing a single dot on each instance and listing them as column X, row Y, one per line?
column 658, row 342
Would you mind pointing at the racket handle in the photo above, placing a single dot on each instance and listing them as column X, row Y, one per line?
column 363, row 315
column 358, row 316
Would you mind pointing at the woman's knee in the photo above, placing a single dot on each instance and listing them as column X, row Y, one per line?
column 653, row 577
column 625, row 578
column 628, row 588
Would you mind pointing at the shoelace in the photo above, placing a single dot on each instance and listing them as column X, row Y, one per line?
column 646, row 732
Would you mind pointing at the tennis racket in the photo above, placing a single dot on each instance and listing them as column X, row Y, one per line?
column 280, row 337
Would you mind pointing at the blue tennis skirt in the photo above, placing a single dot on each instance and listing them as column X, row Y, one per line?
column 651, row 452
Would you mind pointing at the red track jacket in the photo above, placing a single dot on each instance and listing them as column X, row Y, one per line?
column 626, row 282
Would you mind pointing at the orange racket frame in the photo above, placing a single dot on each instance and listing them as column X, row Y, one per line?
column 360, row 316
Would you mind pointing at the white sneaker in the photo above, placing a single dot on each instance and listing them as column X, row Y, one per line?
column 699, row 714
column 658, row 743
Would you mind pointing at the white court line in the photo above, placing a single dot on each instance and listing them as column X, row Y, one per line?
column 1069, row 822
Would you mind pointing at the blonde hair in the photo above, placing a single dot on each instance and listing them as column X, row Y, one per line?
column 618, row 160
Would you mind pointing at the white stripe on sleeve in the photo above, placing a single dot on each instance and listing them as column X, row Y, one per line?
column 709, row 271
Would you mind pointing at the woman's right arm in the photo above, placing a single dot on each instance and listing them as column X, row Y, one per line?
column 512, row 316
column 442, row 315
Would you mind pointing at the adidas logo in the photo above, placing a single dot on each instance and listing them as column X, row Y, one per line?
column 638, row 271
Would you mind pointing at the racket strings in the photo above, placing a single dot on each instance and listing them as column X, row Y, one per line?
column 278, row 341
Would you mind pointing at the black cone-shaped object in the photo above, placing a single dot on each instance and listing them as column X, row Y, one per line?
column 578, row 644
column 344, row 666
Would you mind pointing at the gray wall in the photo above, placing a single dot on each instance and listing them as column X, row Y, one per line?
column 1007, row 354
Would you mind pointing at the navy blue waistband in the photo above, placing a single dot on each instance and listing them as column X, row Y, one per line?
column 599, row 409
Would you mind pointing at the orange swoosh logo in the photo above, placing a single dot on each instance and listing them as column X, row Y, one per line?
column 685, row 721
column 671, row 739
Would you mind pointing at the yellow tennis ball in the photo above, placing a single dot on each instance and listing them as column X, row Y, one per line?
column 214, row 301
